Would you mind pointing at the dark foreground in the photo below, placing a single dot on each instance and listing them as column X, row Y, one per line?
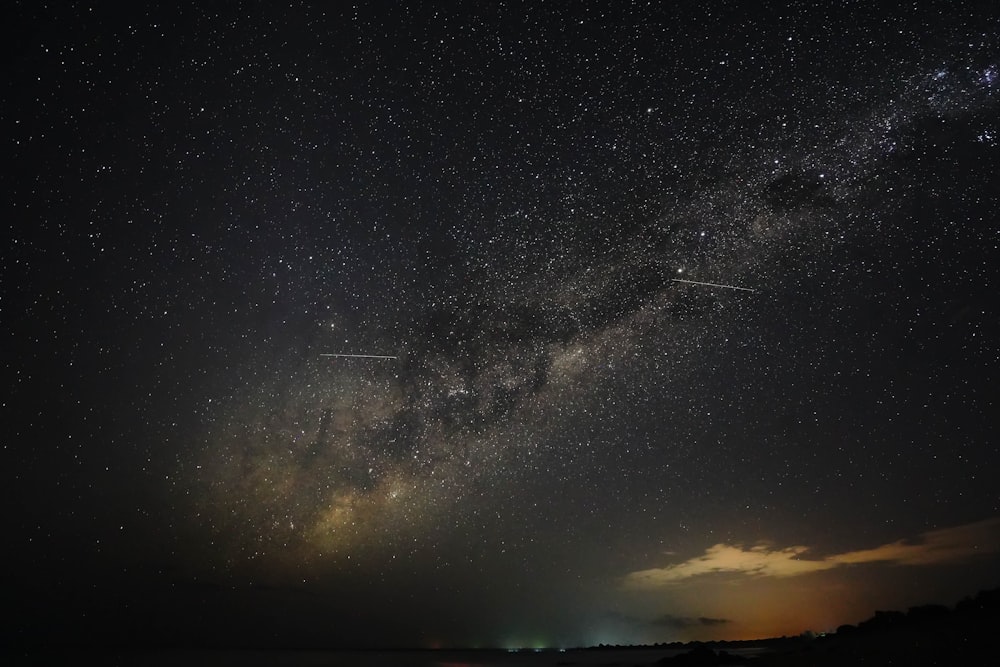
column 926, row 635
column 902, row 650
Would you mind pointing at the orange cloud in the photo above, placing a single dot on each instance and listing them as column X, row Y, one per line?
column 937, row 546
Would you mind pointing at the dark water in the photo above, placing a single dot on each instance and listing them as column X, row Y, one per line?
column 228, row 658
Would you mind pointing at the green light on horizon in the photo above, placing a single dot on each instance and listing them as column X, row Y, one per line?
column 534, row 645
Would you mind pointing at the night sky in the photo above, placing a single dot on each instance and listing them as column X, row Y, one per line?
column 568, row 445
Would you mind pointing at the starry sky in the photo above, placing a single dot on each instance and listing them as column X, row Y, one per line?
column 567, row 445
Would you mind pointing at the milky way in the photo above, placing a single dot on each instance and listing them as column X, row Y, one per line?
column 535, row 317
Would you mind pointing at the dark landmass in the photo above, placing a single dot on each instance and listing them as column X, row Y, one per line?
column 929, row 634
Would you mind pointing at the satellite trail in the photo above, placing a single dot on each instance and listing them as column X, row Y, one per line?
column 360, row 356
column 695, row 282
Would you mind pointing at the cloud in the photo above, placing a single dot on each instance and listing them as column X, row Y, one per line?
column 946, row 545
column 666, row 620
column 937, row 546
column 683, row 622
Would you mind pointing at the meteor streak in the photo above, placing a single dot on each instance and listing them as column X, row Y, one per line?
column 359, row 356
column 695, row 282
